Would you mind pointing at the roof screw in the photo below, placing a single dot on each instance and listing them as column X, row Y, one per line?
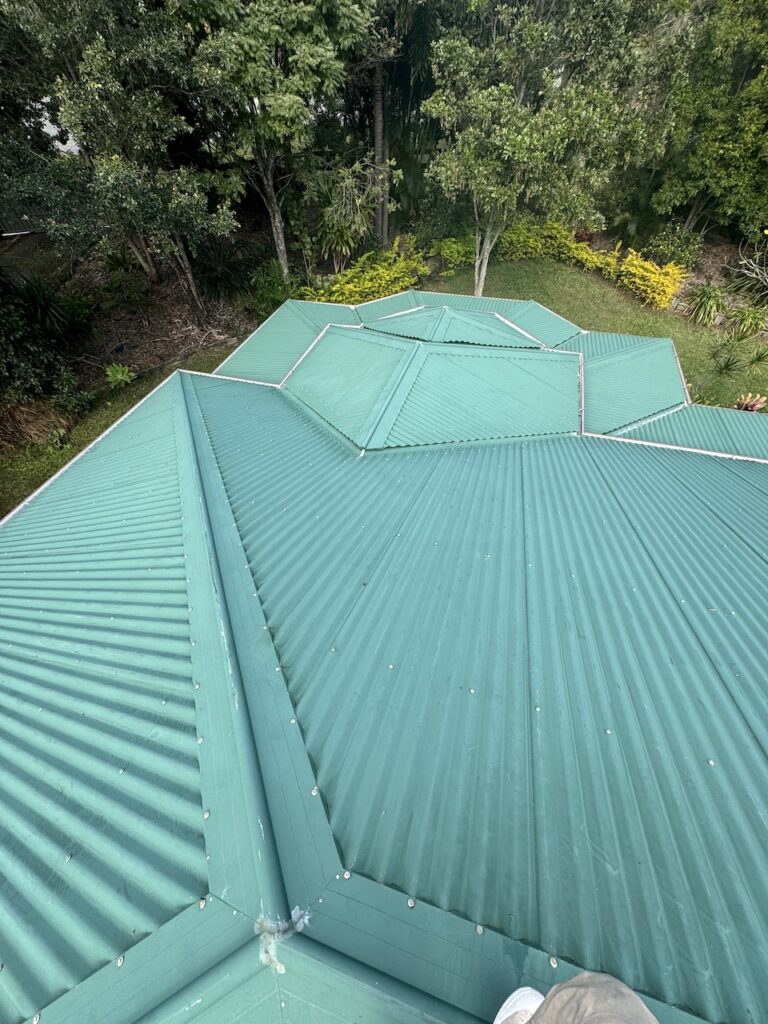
column 120, row 961
column 197, row 686
column 553, row 962
column 36, row 1019
column 278, row 668
column 68, row 858
column 471, row 689
column 607, row 732
column 711, row 763
column 314, row 791
column 201, row 903
column 199, row 739
column 479, row 929
column 347, row 874
column 293, row 721
column 411, row 902
column 390, row 666
column 206, row 815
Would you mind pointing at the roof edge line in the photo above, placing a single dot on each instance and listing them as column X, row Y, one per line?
column 679, row 448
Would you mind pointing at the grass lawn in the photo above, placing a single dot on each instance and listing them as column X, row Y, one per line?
column 596, row 304
column 25, row 470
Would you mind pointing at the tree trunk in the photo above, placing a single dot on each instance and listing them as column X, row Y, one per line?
column 266, row 188
column 186, row 274
column 379, row 154
column 145, row 258
column 486, row 238
column 696, row 212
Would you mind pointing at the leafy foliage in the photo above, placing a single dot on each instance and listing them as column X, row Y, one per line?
column 705, row 302
column 747, row 321
column 654, row 284
column 224, row 268
column 267, row 289
column 375, row 275
column 453, row 254
column 674, row 243
column 118, row 375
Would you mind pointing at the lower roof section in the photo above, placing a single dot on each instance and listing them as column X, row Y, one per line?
column 708, row 428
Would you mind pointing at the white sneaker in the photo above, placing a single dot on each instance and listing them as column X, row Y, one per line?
column 522, row 1001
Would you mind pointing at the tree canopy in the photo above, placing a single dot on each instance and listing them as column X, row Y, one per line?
column 156, row 126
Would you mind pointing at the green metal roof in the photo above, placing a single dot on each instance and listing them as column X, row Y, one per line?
column 602, row 343
column 710, row 428
column 489, row 710
column 630, row 385
column 441, row 323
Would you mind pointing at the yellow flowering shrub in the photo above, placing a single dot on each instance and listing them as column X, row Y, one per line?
column 527, row 239
column 655, row 285
column 375, row 275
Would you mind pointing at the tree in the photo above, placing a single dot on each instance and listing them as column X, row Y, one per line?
column 120, row 76
column 541, row 101
column 269, row 67
column 346, row 198
column 715, row 168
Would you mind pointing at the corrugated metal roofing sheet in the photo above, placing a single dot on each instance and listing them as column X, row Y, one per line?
column 100, row 806
column 601, row 343
column 376, row 308
column 532, row 317
column 276, row 345
column 512, row 682
column 522, row 674
column 710, row 428
column 473, row 396
column 443, row 324
column 630, row 385
column 348, row 375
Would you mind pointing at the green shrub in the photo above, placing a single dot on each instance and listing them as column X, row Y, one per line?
column 30, row 360
column 746, row 321
column 528, row 239
column 57, row 315
column 224, row 267
column 118, row 375
column 453, row 254
column 375, row 275
column 127, row 290
column 68, row 396
column 267, row 290
column 606, row 261
column 704, row 304
column 674, row 243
